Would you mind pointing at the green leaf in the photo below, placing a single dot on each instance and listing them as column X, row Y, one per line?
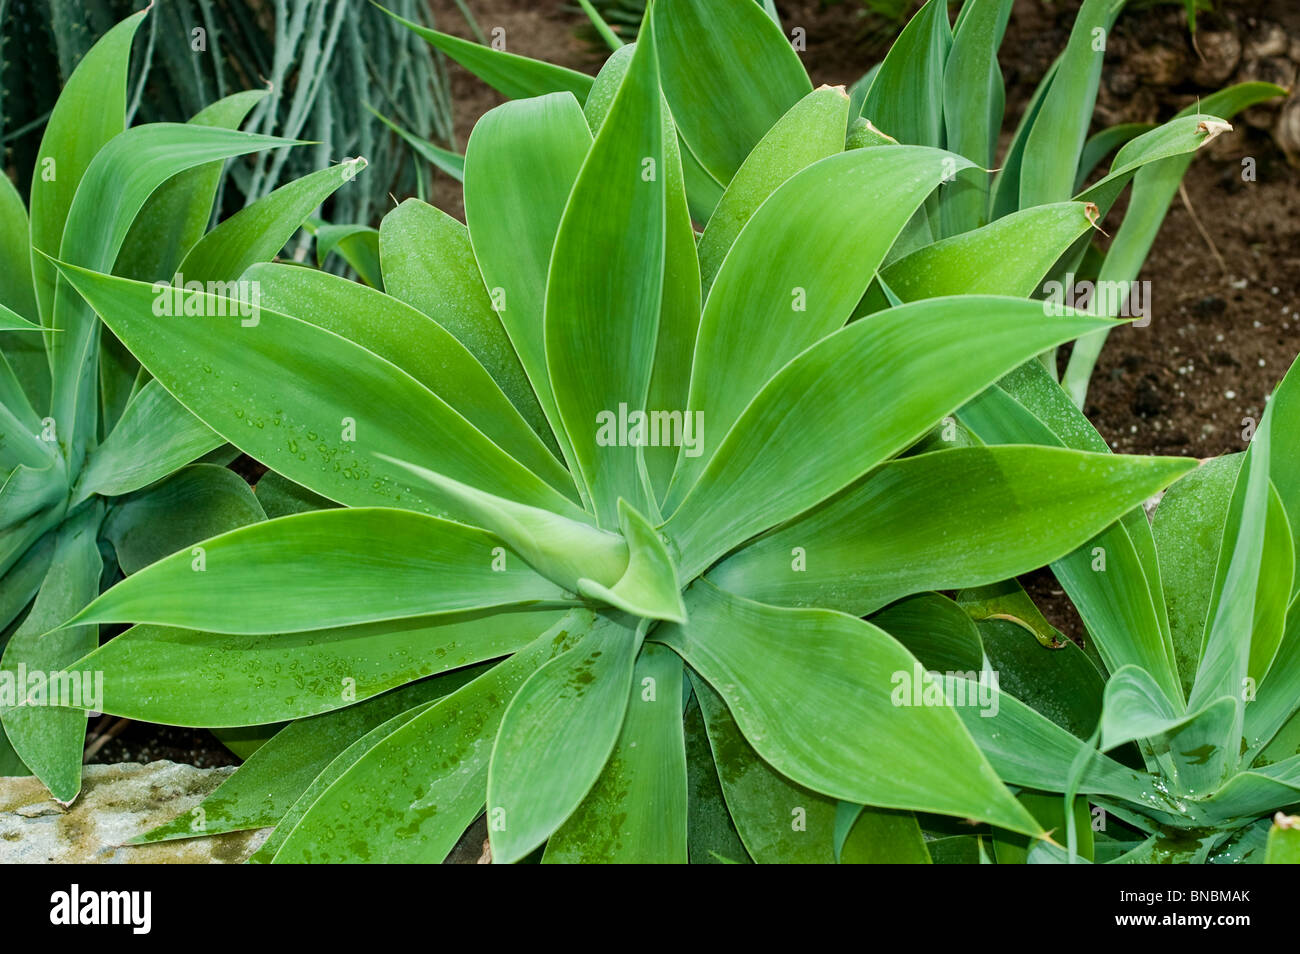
column 1188, row 529
column 636, row 812
column 906, row 97
column 1007, row 257
column 448, row 160
column 803, row 410
column 780, row 292
column 811, row 691
column 1102, row 144
column 412, row 795
column 268, row 784
column 428, row 263
column 322, row 569
column 1006, row 181
column 34, row 502
column 813, row 129
column 419, row 346
column 327, row 777
column 1284, row 470
column 711, row 51
column 177, row 213
column 679, row 312
column 154, row 437
column 712, row 837
column 901, row 529
column 191, row 505
column 12, row 321
column 16, row 292
column 935, row 630
column 515, row 77
column 357, row 244
column 90, row 111
column 649, row 586
column 1225, row 655
column 1267, row 727
column 1248, row 795
column 114, row 188
column 280, row 496
column 1056, row 138
column 1283, row 841
column 1114, row 579
column 1059, row 682
column 633, row 572
column 1178, row 137
column 606, row 32
column 1153, row 189
column 520, row 165
column 609, row 260
column 24, row 368
column 782, row 822
column 1026, row 748
column 556, row 737
column 253, row 680
column 259, row 231
column 1187, row 745
column 973, row 102
column 47, row 736
column 1007, row 600
column 1050, row 812
column 23, row 580
column 312, row 405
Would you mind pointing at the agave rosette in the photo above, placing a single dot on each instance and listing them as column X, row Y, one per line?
column 530, row 607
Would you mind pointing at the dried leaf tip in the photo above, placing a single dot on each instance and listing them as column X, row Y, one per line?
column 1283, row 820
column 878, row 131
column 1093, row 215
column 1212, row 127
column 842, row 91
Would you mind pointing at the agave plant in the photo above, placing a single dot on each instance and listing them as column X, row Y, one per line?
column 1196, row 721
column 605, row 541
column 739, row 96
column 330, row 67
column 95, row 455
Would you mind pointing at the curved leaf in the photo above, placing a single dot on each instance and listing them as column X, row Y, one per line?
column 811, row 691
column 803, row 411
column 901, row 530
column 253, row 680
column 515, row 77
column 312, row 405
column 636, row 811
column 608, row 263
column 428, row 262
column 520, row 165
column 154, row 437
column 412, row 795
column 780, row 292
column 418, row 345
column 322, row 569
column 711, row 51
column 556, row 737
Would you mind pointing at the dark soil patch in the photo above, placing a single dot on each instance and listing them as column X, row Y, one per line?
column 146, row 742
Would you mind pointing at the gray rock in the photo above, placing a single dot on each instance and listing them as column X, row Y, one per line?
column 117, row 802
